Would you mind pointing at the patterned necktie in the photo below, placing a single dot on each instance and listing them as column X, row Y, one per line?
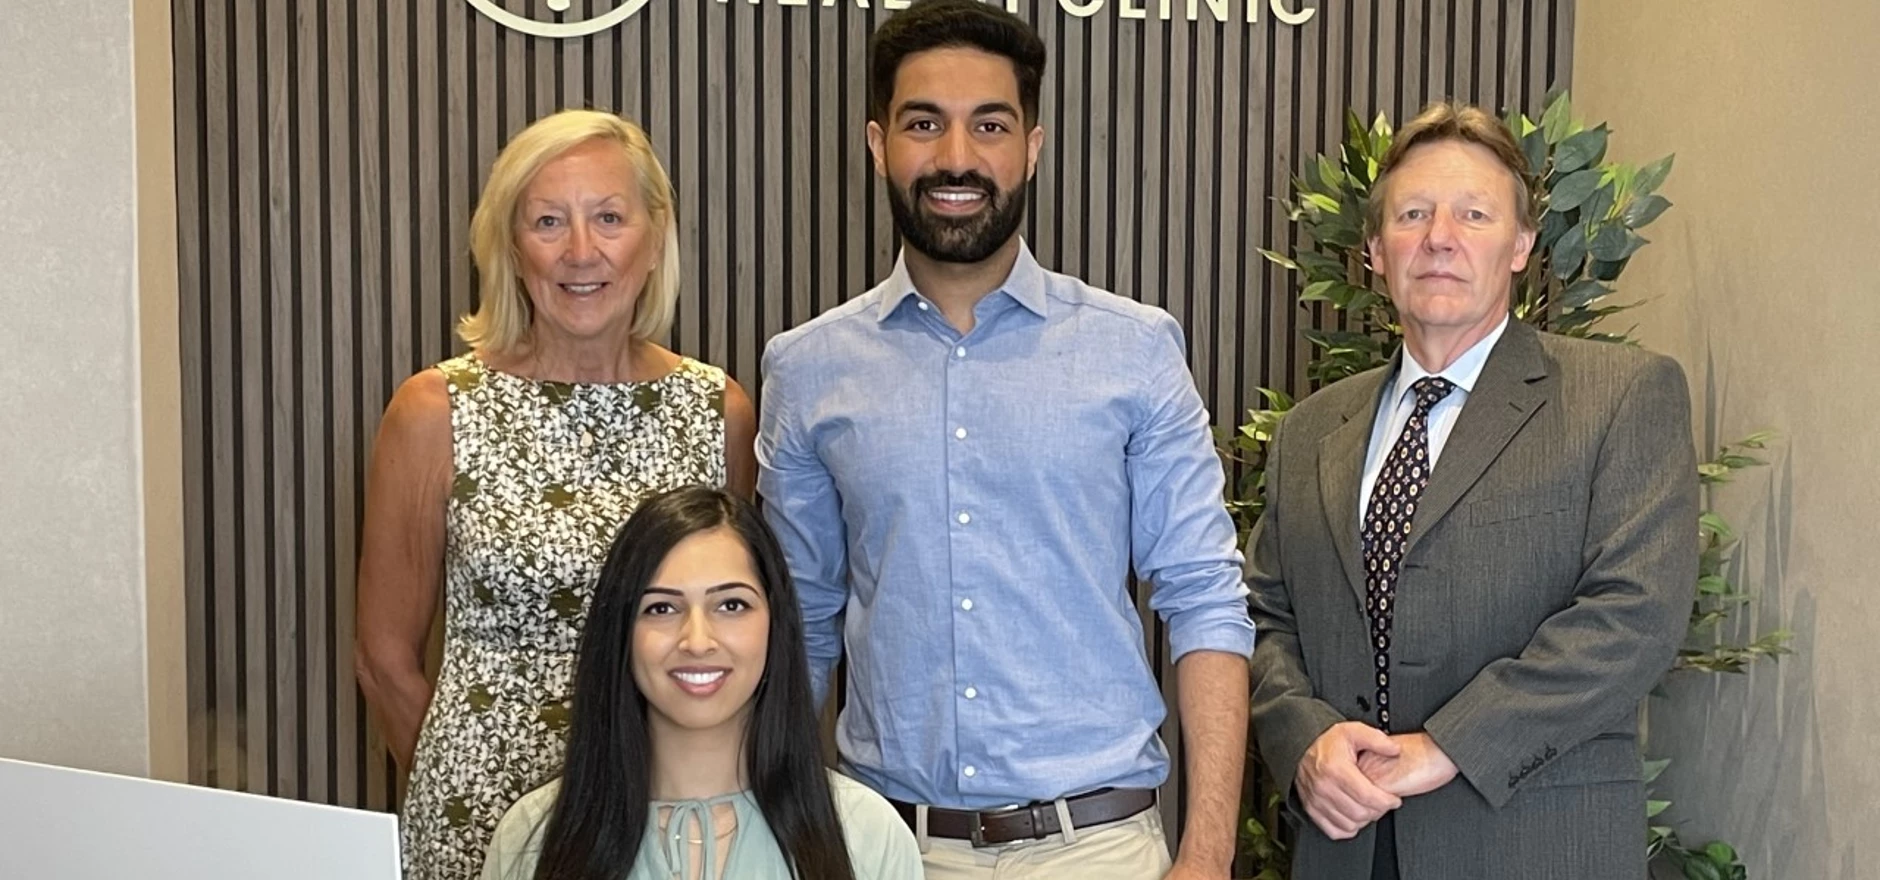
column 1387, row 525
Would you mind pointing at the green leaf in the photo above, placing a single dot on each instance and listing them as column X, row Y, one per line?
column 1581, row 150
column 1351, row 207
column 1573, row 319
column 1605, row 270
column 1568, row 252
column 1655, row 767
column 1614, row 243
column 1721, row 853
column 1712, row 585
column 1702, row 869
column 1278, row 258
column 1557, row 118
column 1354, row 128
column 1361, row 168
column 1645, row 210
column 1307, row 180
column 1553, row 225
column 1652, row 176
column 1352, row 298
column 1653, row 808
column 1320, row 201
column 1656, row 838
column 1554, row 93
column 1342, row 235
column 1573, row 190
column 1714, row 524
column 1534, row 147
column 1318, row 291
column 1276, row 399
column 1321, row 266
column 1608, row 242
column 1598, row 206
column 1347, row 297
column 1583, row 292
column 1331, row 174
column 1633, row 241
column 1757, row 440
column 1512, row 118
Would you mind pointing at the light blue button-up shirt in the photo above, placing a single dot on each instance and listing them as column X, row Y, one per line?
column 1397, row 403
column 972, row 506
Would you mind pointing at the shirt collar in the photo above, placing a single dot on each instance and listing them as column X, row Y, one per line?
column 1025, row 284
column 1463, row 373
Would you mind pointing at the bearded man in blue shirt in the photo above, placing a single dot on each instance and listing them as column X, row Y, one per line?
column 964, row 464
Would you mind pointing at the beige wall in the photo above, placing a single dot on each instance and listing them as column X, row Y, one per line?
column 1766, row 285
column 76, row 612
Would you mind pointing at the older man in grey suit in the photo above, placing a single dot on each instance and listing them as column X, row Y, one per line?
column 1474, row 563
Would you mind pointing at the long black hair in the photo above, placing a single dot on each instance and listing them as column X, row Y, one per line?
column 599, row 817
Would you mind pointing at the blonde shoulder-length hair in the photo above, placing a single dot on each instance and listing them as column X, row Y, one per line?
column 501, row 319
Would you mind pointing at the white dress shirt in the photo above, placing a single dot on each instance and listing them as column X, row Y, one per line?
column 1397, row 403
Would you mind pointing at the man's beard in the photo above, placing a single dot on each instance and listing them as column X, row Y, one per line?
column 956, row 239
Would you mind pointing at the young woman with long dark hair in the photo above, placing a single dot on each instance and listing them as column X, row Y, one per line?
column 693, row 749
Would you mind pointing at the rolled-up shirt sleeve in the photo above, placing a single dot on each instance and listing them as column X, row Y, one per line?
column 802, row 507
column 1182, row 539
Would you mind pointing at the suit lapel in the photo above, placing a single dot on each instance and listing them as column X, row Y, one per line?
column 1511, row 389
column 1341, row 476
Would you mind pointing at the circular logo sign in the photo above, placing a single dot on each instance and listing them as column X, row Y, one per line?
column 561, row 27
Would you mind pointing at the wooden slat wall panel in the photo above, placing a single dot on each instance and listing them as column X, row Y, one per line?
column 330, row 152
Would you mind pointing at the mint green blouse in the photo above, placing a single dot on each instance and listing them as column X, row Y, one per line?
column 880, row 845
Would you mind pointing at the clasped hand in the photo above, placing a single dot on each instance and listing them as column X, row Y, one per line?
column 1354, row 773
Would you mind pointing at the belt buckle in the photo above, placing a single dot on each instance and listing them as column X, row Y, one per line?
column 978, row 835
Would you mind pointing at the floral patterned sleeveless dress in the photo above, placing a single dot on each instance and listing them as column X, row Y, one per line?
column 544, row 474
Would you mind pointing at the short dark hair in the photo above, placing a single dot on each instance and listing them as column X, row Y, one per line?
column 939, row 24
column 1454, row 121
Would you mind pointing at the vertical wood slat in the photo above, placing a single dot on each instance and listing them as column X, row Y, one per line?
column 340, row 337
column 1041, row 227
column 330, row 153
column 192, row 241
column 772, row 234
column 224, row 621
column 281, row 559
column 310, row 383
column 1464, row 51
column 245, row 341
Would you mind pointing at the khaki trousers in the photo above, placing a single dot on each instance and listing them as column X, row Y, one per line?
column 1127, row 849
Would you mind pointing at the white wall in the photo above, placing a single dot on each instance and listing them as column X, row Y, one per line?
column 1766, row 285
column 75, row 670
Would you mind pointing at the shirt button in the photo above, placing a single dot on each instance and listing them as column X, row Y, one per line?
column 960, row 352
column 965, row 517
column 971, row 693
column 970, row 771
column 920, row 305
column 959, row 433
column 966, row 604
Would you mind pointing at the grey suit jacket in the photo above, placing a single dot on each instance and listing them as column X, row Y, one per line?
column 1545, row 589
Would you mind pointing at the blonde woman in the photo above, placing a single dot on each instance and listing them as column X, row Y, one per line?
column 500, row 476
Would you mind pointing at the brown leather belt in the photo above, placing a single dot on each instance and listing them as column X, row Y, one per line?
column 1034, row 821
